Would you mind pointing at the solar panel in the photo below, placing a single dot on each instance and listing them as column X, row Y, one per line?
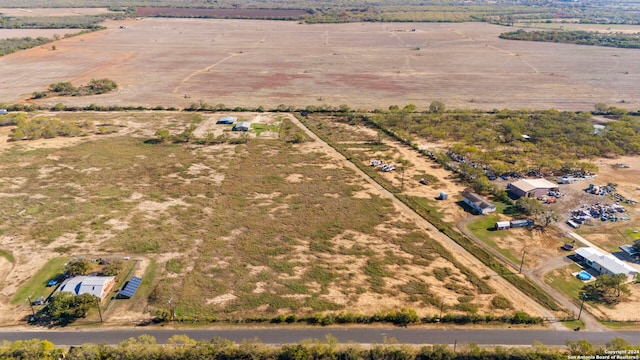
column 130, row 288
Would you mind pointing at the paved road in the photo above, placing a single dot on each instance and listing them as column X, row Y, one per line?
column 373, row 335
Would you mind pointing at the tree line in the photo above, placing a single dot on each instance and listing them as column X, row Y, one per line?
column 183, row 347
column 579, row 37
column 11, row 45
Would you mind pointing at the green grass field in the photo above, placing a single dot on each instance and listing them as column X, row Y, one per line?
column 482, row 228
column 37, row 284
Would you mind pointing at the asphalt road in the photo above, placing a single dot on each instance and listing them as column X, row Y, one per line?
column 377, row 335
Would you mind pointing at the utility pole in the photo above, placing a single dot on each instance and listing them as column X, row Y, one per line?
column 31, row 304
column 99, row 310
column 402, row 182
column 521, row 262
column 584, row 297
column 441, row 308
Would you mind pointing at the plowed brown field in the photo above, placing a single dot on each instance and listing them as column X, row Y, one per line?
column 174, row 62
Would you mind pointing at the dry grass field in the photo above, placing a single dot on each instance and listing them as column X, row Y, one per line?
column 173, row 62
column 269, row 227
column 47, row 12
column 254, row 229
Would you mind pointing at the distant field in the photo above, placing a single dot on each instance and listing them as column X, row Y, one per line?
column 250, row 63
column 221, row 13
column 46, row 12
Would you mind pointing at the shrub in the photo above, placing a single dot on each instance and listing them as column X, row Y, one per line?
column 501, row 302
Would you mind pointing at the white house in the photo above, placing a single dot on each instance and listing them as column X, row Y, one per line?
column 606, row 263
column 478, row 203
column 95, row 285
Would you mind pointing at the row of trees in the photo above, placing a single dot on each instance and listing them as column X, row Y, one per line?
column 183, row 347
column 47, row 128
column 619, row 40
column 11, row 45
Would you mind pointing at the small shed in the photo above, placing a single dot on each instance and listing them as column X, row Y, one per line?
column 3, row 111
column 242, row 126
column 443, row 195
column 502, row 225
column 227, row 120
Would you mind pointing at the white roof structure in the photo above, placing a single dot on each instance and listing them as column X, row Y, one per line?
column 527, row 185
column 606, row 262
column 95, row 285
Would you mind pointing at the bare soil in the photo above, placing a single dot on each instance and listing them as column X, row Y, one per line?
column 254, row 63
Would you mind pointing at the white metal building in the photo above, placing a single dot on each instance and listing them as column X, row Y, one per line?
column 95, row 285
column 606, row 263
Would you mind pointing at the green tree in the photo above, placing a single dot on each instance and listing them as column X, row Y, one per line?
column 437, row 107
column 66, row 307
column 607, row 289
column 409, row 108
column 113, row 267
column 77, row 267
column 547, row 217
column 299, row 137
column 62, row 88
column 636, row 245
column 529, row 206
column 163, row 135
column 601, row 108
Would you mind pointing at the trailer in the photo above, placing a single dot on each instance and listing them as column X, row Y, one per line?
column 572, row 224
column 521, row 223
column 502, row 225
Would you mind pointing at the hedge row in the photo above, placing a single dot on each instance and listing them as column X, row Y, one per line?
column 402, row 318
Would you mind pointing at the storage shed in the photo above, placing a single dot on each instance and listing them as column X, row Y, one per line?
column 242, row 126
column 227, row 120
column 501, row 225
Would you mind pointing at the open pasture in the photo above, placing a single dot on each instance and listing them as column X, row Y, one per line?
column 251, row 63
column 260, row 228
column 46, row 12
